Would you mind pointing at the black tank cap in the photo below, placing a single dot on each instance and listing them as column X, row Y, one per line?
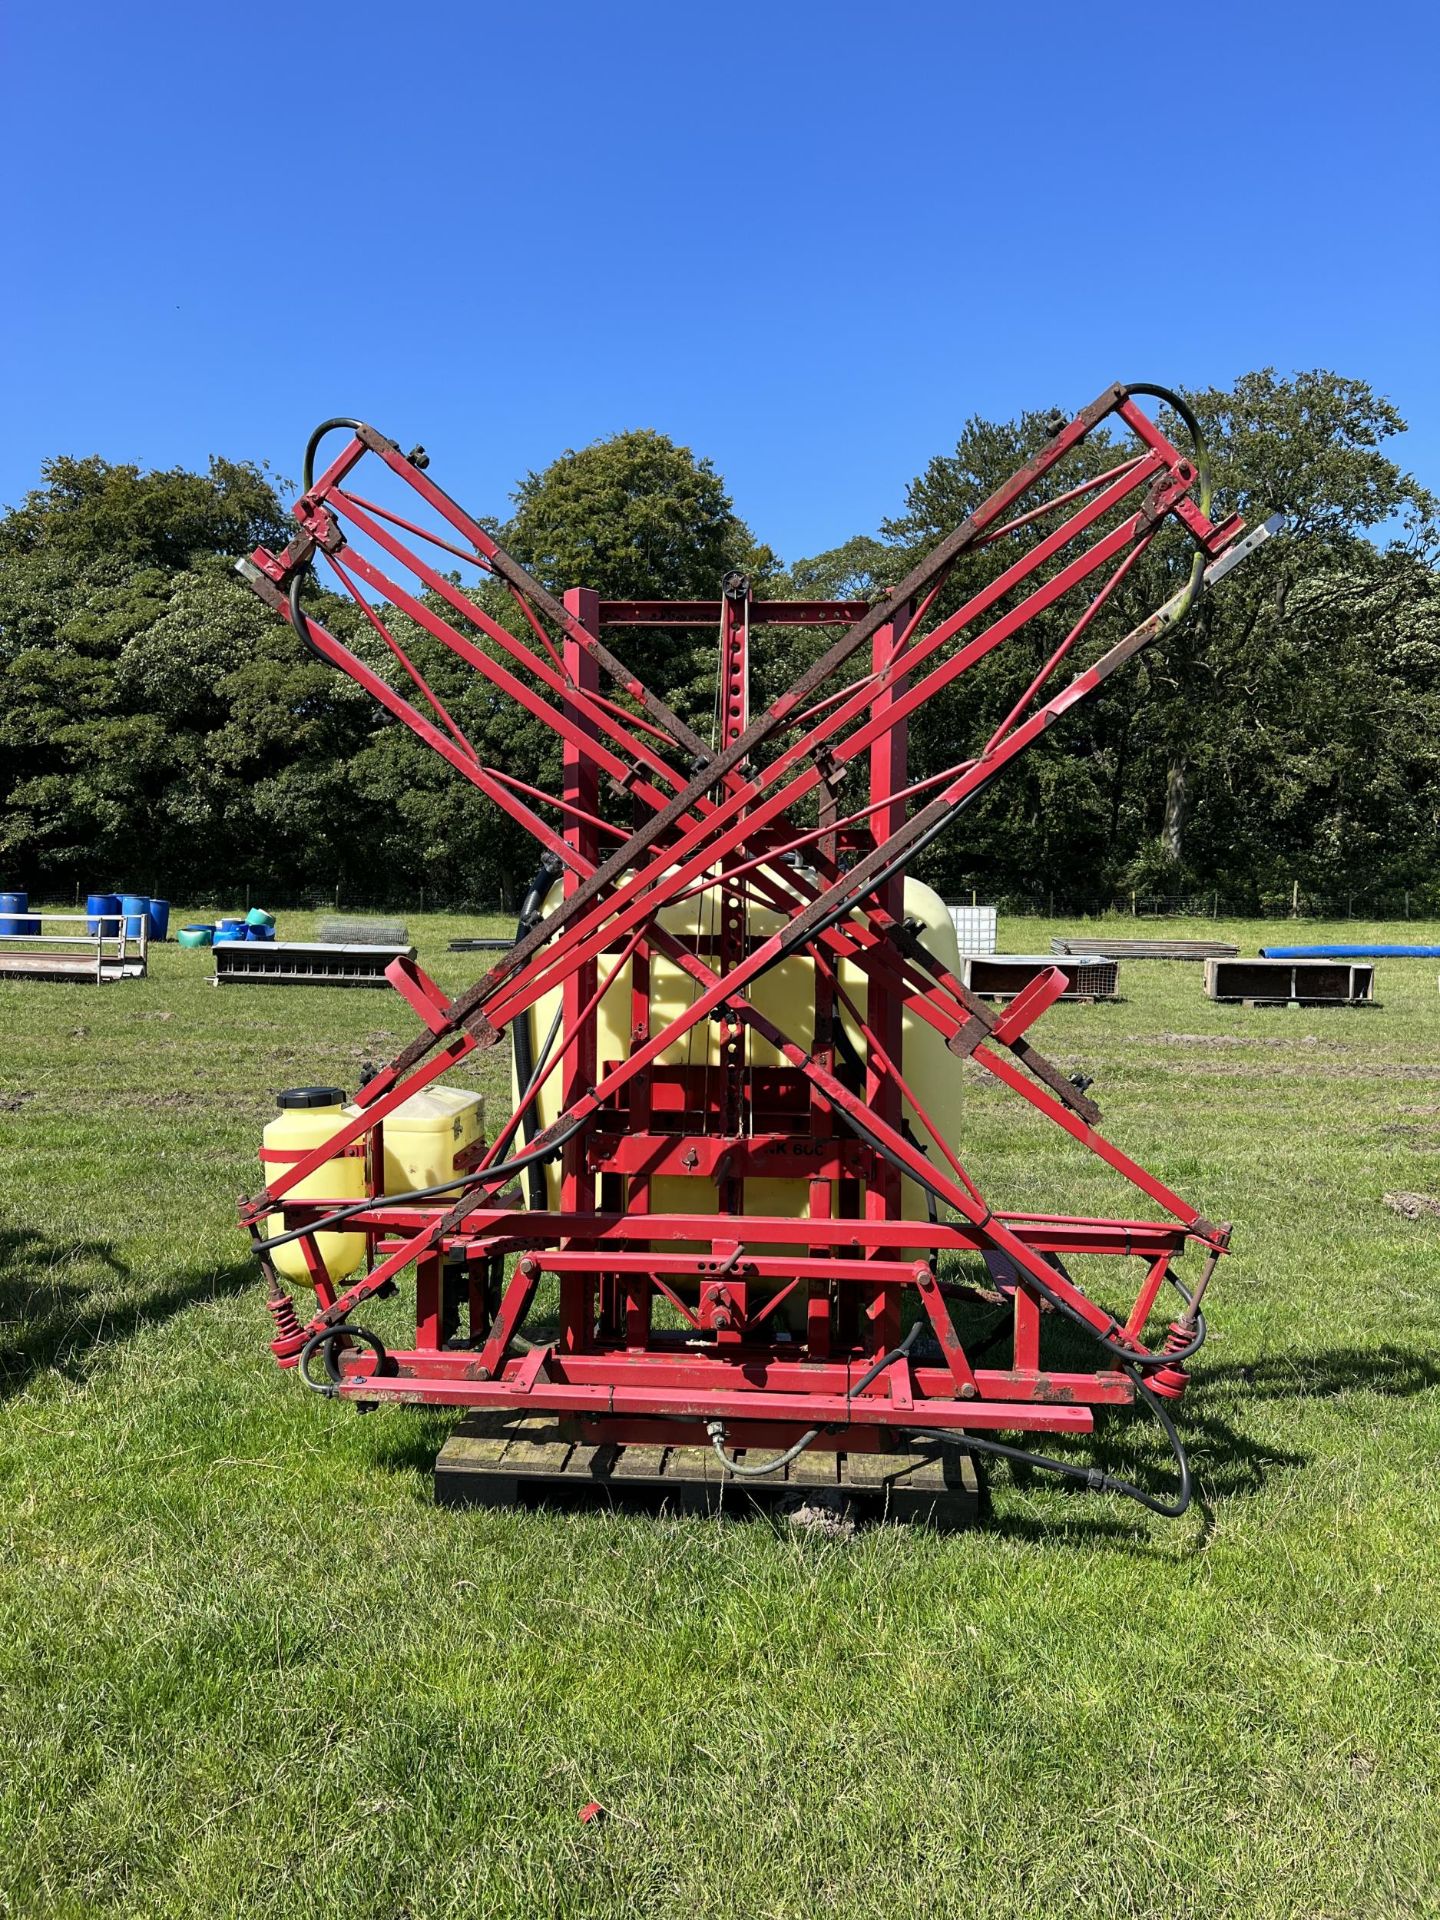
column 310, row 1097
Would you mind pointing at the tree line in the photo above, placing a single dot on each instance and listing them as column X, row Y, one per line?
column 159, row 728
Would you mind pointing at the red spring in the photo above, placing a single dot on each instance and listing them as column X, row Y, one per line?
column 1171, row 1382
column 290, row 1336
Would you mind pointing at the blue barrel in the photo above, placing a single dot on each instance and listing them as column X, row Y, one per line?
column 259, row 933
column 136, row 909
column 159, row 918
column 12, row 904
column 102, row 914
column 230, row 930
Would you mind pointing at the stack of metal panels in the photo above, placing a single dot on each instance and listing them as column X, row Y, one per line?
column 1146, row 949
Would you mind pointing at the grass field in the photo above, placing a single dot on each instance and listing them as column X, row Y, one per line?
column 247, row 1668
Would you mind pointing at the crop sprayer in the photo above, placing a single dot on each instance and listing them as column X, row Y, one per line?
column 733, row 1167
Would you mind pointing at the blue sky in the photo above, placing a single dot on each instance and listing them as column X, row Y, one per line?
column 806, row 240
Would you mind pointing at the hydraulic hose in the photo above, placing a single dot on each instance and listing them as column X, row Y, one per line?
column 300, row 620
column 1126, row 1356
column 1094, row 1479
column 482, row 1176
column 716, row 1428
column 307, row 479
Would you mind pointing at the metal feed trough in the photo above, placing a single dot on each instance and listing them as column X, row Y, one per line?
column 776, row 1253
column 304, row 963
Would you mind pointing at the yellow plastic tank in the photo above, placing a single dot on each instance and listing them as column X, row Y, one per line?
column 426, row 1133
column 307, row 1118
column 786, row 995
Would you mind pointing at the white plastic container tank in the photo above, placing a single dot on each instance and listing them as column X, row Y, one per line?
column 427, row 1133
column 308, row 1117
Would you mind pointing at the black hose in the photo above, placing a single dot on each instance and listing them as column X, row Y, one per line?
column 1094, row 1479
column 1126, row 1356
column 325, row 1342
column 501, row 1170
column 1186, row 412
column 307, row 478
column 300, row 620
column 716, row 1428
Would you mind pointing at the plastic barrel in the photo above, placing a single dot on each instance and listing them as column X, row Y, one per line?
column 136, row 909
column 102, row 914
column 159, row 918
column 12, row 904
column 230, row 930
column 195, row 936
column 258, row 917
column 259, row 933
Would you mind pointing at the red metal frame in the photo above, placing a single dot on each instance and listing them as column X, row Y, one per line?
column 726, row 819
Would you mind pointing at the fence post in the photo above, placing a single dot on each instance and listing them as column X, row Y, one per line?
column 1295, row 900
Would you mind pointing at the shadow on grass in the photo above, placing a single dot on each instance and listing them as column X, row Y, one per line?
column 1388, row 1369
column 1227, row 1462
column 50, row 1318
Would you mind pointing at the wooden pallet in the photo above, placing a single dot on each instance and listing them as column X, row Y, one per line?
column 497, row 1460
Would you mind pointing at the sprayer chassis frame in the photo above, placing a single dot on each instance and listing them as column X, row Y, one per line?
column 608, row 1368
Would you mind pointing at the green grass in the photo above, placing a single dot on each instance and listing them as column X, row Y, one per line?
column 247, row 1668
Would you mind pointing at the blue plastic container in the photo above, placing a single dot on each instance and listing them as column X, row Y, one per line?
column 159, row 918
column 11, row 905
column 230, row 930
column 102, row 914
column 136, row 909
column 259, row 933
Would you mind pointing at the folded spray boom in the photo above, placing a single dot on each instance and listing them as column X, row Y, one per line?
column 740, row 1030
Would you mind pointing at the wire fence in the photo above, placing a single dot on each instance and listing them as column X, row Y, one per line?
column 1295, row 903
column 1289, row 903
